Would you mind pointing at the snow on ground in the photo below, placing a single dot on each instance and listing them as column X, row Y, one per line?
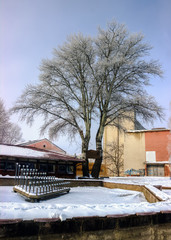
column 81, row 201
column 168, row 192
column 163, row 181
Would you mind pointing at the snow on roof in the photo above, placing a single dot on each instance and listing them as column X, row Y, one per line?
column 149, row 130
column 158, row 163
column 29, row 152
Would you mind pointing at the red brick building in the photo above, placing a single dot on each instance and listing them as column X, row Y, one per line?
column 44, row 144
column 157, row 152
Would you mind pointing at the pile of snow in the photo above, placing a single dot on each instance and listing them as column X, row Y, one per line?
column 80, row 202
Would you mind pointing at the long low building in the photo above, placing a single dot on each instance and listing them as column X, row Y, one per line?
column 53, row 163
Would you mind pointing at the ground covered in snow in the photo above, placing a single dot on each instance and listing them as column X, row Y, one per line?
column 163, row 181
column 81, row 201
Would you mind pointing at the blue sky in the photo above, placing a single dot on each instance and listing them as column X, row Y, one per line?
column 30, row 29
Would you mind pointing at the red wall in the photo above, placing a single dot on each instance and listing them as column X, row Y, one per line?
column 45, row 144
column 158, row 141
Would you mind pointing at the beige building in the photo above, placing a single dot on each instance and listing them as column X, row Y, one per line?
column 114, row 139
column 134, row 150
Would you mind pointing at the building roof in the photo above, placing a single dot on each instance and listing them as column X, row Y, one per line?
column 148, row 130
column 7, row 150
column 138, row 125
column 39, row 141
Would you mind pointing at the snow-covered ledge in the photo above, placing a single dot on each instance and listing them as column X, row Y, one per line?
column 159, row 194
column 151, row 193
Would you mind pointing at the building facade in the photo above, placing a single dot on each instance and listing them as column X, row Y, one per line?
column 148, row 150
column 114, row 137
column 53, row 163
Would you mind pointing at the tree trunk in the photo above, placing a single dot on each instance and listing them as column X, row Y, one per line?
column 85, row 168
column 99, row 136
column 97, row 164
column 85, row 165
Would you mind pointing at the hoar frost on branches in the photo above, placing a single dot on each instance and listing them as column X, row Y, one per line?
column 124, row 74
column 66, row 95
column 9, row 132
column 99, row 78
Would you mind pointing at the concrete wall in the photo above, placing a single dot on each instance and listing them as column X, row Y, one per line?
column 73, row 182
column 134, row 227
column 7, row 181
column 134, row 151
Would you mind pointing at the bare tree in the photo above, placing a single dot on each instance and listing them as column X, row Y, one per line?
column 114, row 158
column 169, row 140
column 9, row 132
column 125, row 73
column 99, row 78
column 66, row 95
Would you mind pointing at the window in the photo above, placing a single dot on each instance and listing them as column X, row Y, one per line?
column 43, row 167
column 155, row 170
column 2, row 165
column 70, row 169
column 10, row 166
column 65, row 169
column 62, row 169
column 51, row 168
column 31, row 165
column 150, row 156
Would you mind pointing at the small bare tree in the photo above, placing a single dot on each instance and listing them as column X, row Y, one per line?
column 9, row 132
column 114, row 158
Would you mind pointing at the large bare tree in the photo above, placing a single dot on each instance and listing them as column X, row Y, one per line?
column 66, row 95
column 101, row 78
column 9, row 132
column 125, row 72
